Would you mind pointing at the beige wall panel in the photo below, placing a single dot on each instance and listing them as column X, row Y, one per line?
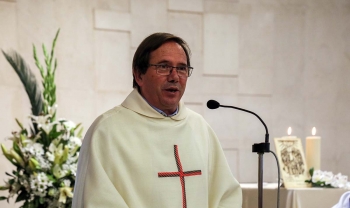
column 37, row 24
column 147, row 21
column 223, row 120
column 109, row 20
column 195, row 82
column 221, row 44
column 324, row 46
column 8, row 41
column 287, row 101
column 250, row 129
column 255, row 81
column 187, row 26
column 196, row 107
column 289, row 51
column 287, row 111
column 221, row 6
column 185, row 5
column 113, row 69
column 75, row 45
column 14, row 104
column 256, row 37
column 80, row 77
column 324, row 76
column 108, row 100
column 77, row 106
column 113, row 5
column 8, row 22
column 286, row 60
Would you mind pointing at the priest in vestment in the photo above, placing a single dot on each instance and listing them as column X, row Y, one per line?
column 151, row 151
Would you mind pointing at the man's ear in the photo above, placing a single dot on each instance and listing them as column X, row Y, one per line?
column 138, row 77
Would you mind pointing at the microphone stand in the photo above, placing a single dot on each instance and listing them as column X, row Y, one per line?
column 260, row 149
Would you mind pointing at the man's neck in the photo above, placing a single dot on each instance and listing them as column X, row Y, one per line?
column 159, row 110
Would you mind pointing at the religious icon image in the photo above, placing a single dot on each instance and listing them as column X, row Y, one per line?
column 292, row 162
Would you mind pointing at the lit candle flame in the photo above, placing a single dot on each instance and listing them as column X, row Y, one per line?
column 289, row 131
column 313, row 131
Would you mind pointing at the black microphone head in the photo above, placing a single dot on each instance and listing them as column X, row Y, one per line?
column 213, row 104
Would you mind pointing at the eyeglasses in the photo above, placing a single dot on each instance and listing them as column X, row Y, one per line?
column 182, row 71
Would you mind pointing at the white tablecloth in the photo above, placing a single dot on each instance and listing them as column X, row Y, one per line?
column 291, row 198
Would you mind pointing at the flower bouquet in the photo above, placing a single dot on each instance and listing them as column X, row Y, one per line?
column 326, row 179
column 45, row 157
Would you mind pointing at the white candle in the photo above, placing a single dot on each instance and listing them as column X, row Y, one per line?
column 313, row 151
column 289, row 131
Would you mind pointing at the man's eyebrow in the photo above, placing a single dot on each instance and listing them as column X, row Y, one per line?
column 168, row 62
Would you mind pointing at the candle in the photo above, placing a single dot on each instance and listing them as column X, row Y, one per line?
column 313, row 151
column 289, row 131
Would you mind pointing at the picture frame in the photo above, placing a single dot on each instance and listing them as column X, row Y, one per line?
column 291, row 157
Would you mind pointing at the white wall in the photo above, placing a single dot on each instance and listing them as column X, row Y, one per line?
column 286, row 60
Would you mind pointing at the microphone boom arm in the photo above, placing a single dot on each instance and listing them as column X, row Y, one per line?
column 267, row 131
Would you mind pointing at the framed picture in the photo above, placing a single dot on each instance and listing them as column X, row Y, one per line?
column 292, row 162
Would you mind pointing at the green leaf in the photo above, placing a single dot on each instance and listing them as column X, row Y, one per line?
column 2, row 188
column 41, row 200
column 51, row 178
column 28, row 80
column 311, row 172
column 17, row 149
column 54, row 44
column 22, row 196
column 19, row 124
column 2, row 198
column 9, row 174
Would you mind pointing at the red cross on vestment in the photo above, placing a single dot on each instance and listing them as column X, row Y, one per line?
column 181, row 174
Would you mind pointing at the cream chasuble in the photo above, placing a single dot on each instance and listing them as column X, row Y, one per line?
column 134, row 157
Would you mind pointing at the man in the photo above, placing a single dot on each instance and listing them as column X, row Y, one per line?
column 151, row 151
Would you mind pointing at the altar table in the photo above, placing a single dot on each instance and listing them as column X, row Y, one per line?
column 291, row 198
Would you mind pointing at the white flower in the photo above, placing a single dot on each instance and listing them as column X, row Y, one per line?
column 327, row 177
column 65, row 191
column 66, row 183
column 73, row 144
column 52, row 109
column 347, row 185
column 75, row 140
column 14, row 188
column 58, row 172
column 43, row 122
column 340, row 181
column 39, row 183
column 44, row 164
column 317, row 176
column 35, row 149
column 69, row 125
column 50, row 156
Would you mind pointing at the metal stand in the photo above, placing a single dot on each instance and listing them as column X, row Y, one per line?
column 261, row 148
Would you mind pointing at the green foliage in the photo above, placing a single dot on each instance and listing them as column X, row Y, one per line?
column 321, row 184
column 45, row 158
column 48, row 75
column 28, row 80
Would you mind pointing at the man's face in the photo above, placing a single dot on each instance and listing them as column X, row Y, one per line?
column 164, row 92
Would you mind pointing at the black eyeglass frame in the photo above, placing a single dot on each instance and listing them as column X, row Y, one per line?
column 190, row 69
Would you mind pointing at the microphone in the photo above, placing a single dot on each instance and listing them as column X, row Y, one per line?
column 213, row 104
column 260, row 148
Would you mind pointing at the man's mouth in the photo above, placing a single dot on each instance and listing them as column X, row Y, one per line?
column 172, row 90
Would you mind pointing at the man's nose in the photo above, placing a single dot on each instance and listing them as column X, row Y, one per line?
column 173, row 76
